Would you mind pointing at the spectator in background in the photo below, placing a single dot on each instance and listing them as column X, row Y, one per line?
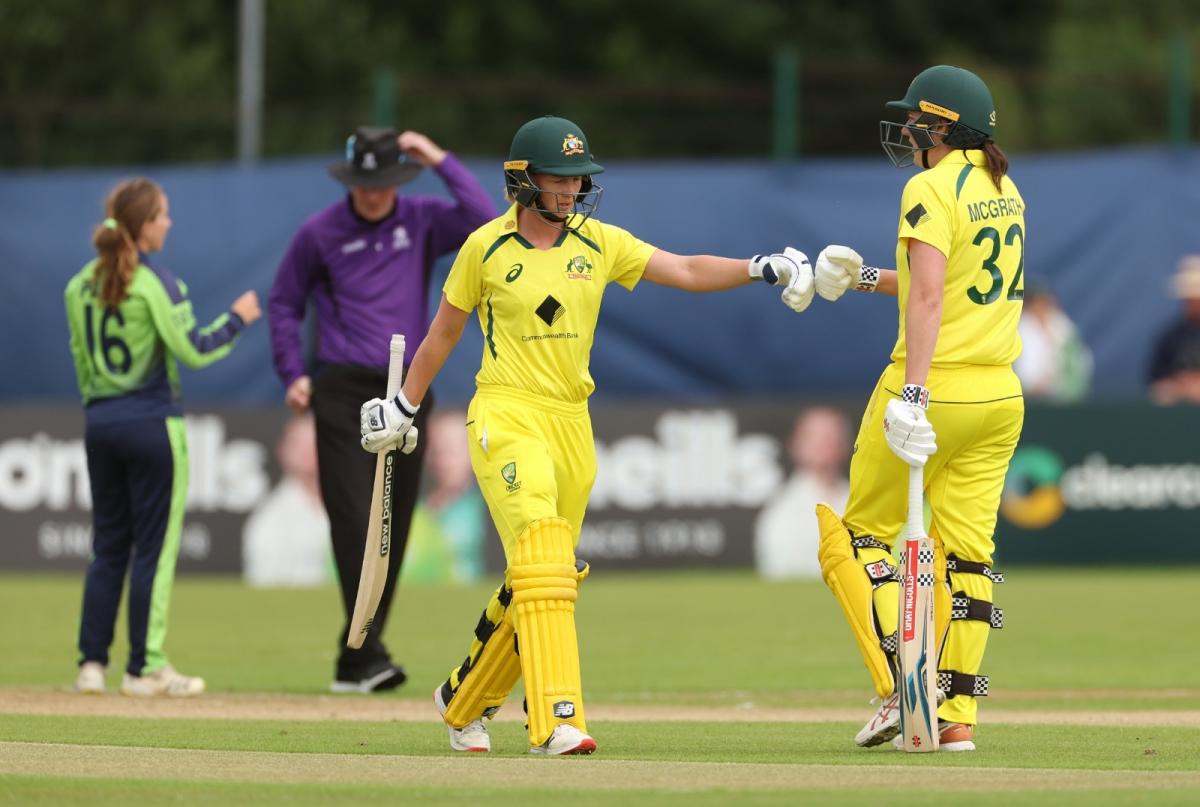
column 1175, row 363
column 365, row 264
column 445, row 544
column 130, row 322
column 285, row 541
column 1054, row 364
column 785, row 533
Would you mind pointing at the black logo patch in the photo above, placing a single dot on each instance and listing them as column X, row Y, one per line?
column 550, row 310
column 564, row 709
column 916, row 215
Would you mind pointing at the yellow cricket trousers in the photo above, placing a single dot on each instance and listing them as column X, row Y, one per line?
column 977, row 413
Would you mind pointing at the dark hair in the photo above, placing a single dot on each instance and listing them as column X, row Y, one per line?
column 130, row 205
column 996, row 160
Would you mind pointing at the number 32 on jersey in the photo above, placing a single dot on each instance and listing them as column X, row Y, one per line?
column 988, row 290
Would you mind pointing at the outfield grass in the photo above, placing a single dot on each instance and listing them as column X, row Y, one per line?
column 1074, row 642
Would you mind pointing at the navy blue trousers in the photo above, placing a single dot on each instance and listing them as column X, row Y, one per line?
column 138, row 473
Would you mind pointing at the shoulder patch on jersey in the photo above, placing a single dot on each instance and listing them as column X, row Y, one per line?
column 917, row 215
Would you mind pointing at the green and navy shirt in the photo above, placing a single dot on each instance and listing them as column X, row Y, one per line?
column 125, row 357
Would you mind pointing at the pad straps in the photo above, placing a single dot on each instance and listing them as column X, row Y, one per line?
column 971, row 567
column 954, row 683
column 964, row 607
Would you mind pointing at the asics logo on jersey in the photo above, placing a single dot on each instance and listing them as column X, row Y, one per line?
column 578, row 268
column 514, row 272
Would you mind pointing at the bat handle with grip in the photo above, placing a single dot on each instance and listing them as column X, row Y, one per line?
column 395, row 379
column 916, row 500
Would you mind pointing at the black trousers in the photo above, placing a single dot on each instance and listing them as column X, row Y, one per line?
column 347, row 476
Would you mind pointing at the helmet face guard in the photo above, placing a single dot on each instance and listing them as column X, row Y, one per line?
column 901, row 141
column 525, row 192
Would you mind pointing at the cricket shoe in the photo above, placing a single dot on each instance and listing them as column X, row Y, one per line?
column 884, row 725
column 471, row 737
column 955, row 736
column 90, row 680
column 951, row 737
column 565, row 739
column 163, row 681
column 389, row 676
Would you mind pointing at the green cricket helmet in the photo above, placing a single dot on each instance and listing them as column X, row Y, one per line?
column 555, row 146
column 941, row 94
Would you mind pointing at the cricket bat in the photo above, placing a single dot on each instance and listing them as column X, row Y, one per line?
column 918, row 646
column 377, row 550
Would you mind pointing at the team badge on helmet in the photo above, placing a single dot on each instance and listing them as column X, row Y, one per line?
column 572, row 145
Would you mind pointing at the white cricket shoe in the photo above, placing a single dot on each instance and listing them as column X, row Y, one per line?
column 885, row 723
column 90, row 680
column 163, row 681
column 565, row 739
column 471, row 737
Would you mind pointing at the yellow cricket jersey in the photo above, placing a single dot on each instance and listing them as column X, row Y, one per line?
column 538, row 308
column 956, row 208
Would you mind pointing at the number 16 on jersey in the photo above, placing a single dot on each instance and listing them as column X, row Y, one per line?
column 918, row 647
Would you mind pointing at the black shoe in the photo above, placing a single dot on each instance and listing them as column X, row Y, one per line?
column 387, row 676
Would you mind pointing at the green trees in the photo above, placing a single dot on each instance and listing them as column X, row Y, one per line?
column 123, row 82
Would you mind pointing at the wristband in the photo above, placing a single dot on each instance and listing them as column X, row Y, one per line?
column 915, row 394
column 404, row 406
column 760, row 269
column 868, row 279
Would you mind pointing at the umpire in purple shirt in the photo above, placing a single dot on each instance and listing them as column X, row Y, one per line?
column 365, row 264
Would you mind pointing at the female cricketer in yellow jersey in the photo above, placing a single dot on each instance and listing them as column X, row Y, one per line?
column 959, row 259
column 536, row 276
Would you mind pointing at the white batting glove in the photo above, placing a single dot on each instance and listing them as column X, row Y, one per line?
column 387, row 424
column 789, row 269
column 909, row 434
column 840, row 268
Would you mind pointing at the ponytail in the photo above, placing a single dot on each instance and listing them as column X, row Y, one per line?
column 130, row 205
column 997, row 162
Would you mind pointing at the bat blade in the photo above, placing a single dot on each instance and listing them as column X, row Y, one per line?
column 917, row 650
column 378, row 545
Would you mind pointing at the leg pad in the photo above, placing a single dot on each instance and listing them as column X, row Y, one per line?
column 545, row 582
column 854, row 569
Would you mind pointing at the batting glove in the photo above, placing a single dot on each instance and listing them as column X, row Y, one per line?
column 387, row 424
column 839, row 268
column 789, row 269
column 909, row 434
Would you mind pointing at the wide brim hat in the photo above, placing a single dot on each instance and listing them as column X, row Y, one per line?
column 374, row 160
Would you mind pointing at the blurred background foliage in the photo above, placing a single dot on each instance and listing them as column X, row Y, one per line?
column 124, row 81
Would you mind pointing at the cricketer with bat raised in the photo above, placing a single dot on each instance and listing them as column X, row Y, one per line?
column 949, row 401
column 535, row 276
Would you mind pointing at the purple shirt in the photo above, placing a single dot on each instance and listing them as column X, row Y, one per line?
column 369, row 280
